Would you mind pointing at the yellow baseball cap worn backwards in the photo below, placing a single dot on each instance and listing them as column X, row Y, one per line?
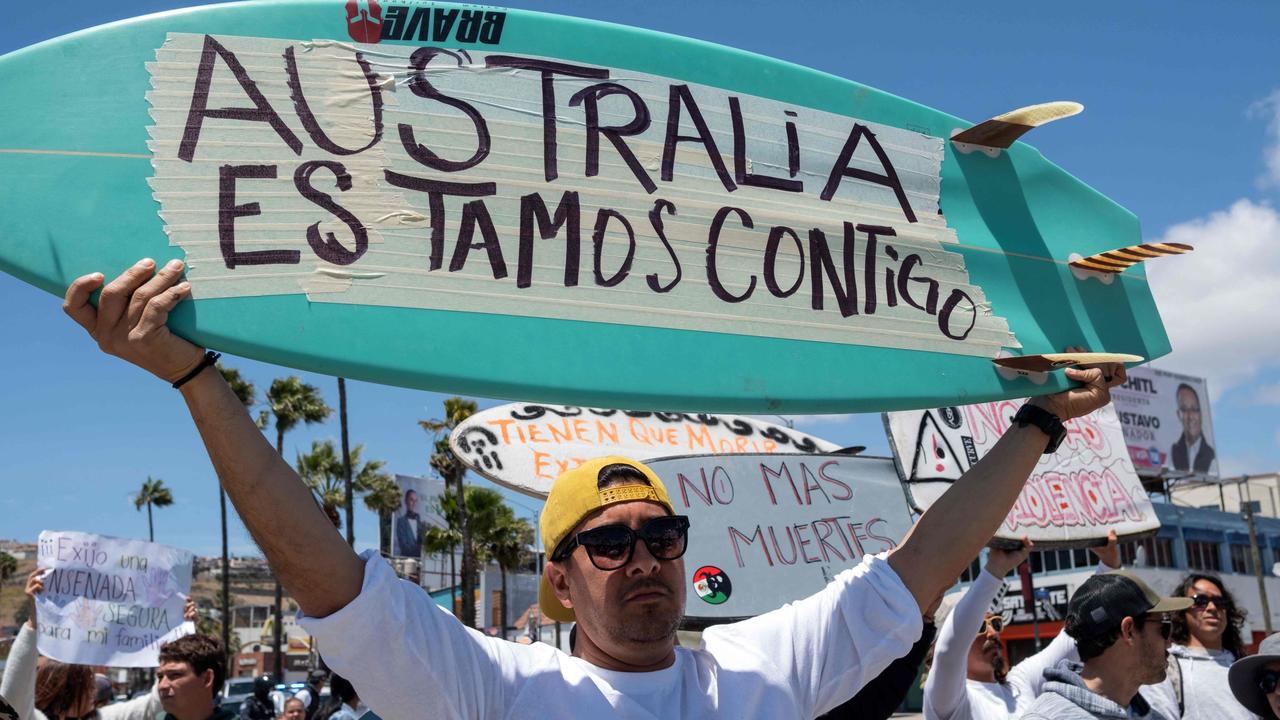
column 575, row 495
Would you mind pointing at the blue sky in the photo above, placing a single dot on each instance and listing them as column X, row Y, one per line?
column 1182, row 126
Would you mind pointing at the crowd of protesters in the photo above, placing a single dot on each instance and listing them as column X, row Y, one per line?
column 614, row 546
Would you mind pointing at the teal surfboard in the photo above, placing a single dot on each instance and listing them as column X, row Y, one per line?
column 521, row 205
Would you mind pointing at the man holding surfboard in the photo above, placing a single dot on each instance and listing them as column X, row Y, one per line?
column 405, row 654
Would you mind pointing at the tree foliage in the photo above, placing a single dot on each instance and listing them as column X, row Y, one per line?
column 291, row 402
column 321, row 470
column 449, row 467
column 152, row 493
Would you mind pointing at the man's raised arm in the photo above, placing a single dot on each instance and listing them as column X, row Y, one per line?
column 950, row 534
column 311, row 559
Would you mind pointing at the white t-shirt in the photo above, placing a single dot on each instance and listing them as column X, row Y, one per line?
column 1205, row 692
column 948, row 692
column 405, row 655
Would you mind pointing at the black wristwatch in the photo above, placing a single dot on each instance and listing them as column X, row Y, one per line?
column 1049, row 423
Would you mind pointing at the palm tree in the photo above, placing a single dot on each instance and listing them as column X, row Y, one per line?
column 153, row 492
column 496, row 533
column 321, row 471
column 447, row 465
column 8, row 566
column 381, row 495
column 508, row 542
column 291, row 402
column 347, row 464
column 247, row 394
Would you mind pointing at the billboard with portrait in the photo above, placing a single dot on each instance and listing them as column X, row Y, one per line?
column 417, row 512
column 1166, row 422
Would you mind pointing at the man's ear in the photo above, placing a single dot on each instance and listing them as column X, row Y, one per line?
column 558, row 577
column 1128, row 630
column 207, row 677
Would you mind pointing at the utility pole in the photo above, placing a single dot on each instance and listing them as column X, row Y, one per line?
column 1250, row 507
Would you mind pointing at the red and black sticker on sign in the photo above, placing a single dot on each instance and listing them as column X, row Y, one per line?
column 369, row 22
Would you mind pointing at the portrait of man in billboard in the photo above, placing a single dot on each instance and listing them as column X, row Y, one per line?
column 408, row 534
column 1191, row 451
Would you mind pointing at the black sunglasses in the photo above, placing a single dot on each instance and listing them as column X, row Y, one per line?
column 1201, row 601
column 1268, row 681
column 610, row 546
column 1166, row 626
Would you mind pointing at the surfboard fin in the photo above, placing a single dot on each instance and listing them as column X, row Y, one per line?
column 1117, row 261
column 1057, row 361
column 1002, row 131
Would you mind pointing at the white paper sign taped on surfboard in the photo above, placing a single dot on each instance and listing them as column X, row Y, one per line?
column 1073, row 497
column 765, row 530
column 472, row 181
column 526, row 446
column 110, row 601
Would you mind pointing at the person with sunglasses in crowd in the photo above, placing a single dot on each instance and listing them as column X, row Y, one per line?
column 1206, row 640
column 969, row 678
column 1255, row 680
column 615, row 548
column 1121, row 629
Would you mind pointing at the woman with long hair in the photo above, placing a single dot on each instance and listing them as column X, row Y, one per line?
column 1206, row 640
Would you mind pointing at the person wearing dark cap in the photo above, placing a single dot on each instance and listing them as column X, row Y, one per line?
column 259, row 706
column 310, row 695
column 1255, row 680
column 1122, row 634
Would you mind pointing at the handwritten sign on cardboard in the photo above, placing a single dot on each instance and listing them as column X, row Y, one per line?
column 769, row 529
column 526, row 446
column 110, row 601
column 1072, row 498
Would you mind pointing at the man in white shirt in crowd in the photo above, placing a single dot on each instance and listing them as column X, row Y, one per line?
column 615, row 549
column 1121, row 629
column 969, row 678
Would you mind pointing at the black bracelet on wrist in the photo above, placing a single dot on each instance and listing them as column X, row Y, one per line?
column 1048, row 423
column 210, row 357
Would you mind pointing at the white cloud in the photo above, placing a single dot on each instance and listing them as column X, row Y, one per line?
column 1220, row 303
column 1266, row 395
column 1269, row 108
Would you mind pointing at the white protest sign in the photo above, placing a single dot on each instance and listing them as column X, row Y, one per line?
column 766, row 530
column 110, row 601
column 465, row 180
column 526, row 446
column 1072, row 498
